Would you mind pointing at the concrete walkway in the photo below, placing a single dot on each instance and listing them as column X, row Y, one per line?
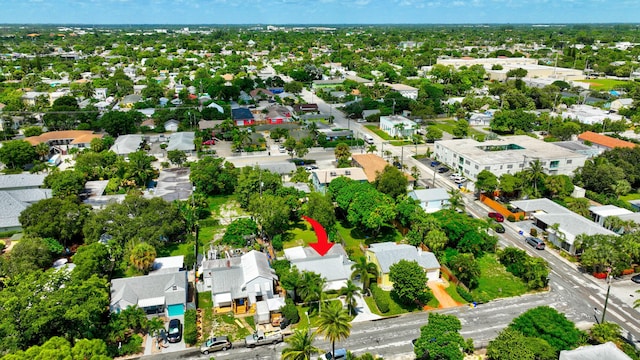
column 363, row 311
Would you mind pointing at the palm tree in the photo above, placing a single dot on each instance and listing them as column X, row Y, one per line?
column 350, row 291
column 365, row 271
column 240, row 138
column 455, row 200
column 372, row 149
column 88, row 90
column 334, row 324
column 534, row 174
column 399, row 130
column 300, row 346
column 621, row 187
column 142, row 256
column 311, row 287
column 42, row 150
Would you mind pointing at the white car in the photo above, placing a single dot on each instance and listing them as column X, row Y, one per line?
column 282, row 149
column 455, row 175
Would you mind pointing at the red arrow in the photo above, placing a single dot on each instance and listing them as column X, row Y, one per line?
column 323, row 245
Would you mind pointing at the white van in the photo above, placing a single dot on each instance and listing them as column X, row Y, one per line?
column 368, row 139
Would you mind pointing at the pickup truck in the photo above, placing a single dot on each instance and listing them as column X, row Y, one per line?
column 260, row 338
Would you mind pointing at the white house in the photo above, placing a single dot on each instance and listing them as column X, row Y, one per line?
column 396, row 125
column 431, row 200
column 334, row 266
column 405, row 90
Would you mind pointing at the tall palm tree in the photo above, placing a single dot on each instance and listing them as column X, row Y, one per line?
column 365, row 271
column 300, row 346
column 350, row 291
column 455, row 200
column 311, row 287
column 372, row 149
column 42, row 150
column 334, row 324
column 534, row 174
column 142, row 256
column 88, row 90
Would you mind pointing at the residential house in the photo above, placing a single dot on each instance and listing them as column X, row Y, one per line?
column 396, row 125
column 618, row 104
column 100, row 93
column 588, row 114
column 62, row 141
column 183, row 141
column 126, row 144
column 601, row 213
column 405, row 90
column 30, row 98
column 322, row 178
column 150, row 123
column 14, row 199
column 305, row 108
column 373, row 165
column 217, row 107
column 260, row 93
column 603, row 142
column 242, row 117
column 167, row 264
column 160, row 293
column 562, row 224
column 386, row 254
column 238, row 283
column 171, row 125
column 431, row 200
column 128, row 101
column 334, row 266
column 480, row 119
column 284, row 169
column 607, row 351
column 278, row 115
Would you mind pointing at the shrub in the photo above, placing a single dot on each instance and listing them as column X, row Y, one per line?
column 132, row 346
column 290, row 311
column 511, row 218
column 2, row 245
column 276, row 242
column 465, row 294
column 521, row 217
column 190, row 330
column 381, row 300
column 533, row 232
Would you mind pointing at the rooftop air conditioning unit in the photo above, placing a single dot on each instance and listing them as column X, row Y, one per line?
column 347, row 172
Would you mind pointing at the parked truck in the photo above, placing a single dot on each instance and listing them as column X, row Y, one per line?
column 260, row 338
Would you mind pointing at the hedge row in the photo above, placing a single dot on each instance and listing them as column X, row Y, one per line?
column 190, row 329
column 380, row 298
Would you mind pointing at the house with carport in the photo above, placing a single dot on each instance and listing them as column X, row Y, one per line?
column 386, row 254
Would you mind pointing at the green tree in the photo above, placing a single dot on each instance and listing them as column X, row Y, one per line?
column 213, row 176
column 65, row 183
column 350, row 291
column 535, row 175
column 333, row 323
column 440, row 338
column 409, row 282
column 433, row 134
column 461, row 129
column 42, row 150
column 118, row 123
column 371, row 209
column 252, row 181
column 294, row 87
column 92, row 259
column 606, row 331
column 579, row 206
column 271, row 213
column 466, row 268
column 455, row 200
column 33, row 131
column 548, row 324
column 28, row 255
column 17, row 154
column 139, row 168
column 343, row 154
column 300, row 346
column 142, row 256
column 320, row 207
column 513, row 345
column 392, row 182
column 487, row 182
column 365, row 271
column 61, row 219
column 238, row 230
column 177, row 157
column 94, row 349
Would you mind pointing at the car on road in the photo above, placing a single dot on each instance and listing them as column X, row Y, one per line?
column 636, row 279
column 282, row 149
column 311, row 167
column 443, row 170
column 499, row 228
column 496, row 216
column 460, row 180
column 215, row 344
column 535, row 242
column 455, row 176
column 340, row 354
column 435, row 163
column 174, row 333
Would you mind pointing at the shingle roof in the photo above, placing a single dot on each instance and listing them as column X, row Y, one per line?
column 126, row 144
column 10, row 210
column 241, row 114
column 372, row 165
column 21, row 181
column 332, row 268
column 131, row 291
column 282, row 168
column 604, row 140
column 182, row 141
column 389, row 253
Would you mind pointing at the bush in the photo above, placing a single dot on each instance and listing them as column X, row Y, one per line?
column 2, row 245
column 190, row 330
column 511, row 218
column 465, row 294
column 381, row 300
column 276, row 242
column 533, row 232
column 290, row 312
column 130, row 347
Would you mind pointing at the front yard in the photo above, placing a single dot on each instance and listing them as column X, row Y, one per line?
column 495, row 281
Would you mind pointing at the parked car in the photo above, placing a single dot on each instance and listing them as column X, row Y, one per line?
column 310, row 167
column 455, row 176
column 209, row 142
column 496, row 216
column 535, row 242
column 362, row 120
column 499, row 228
column 636, row 279
column 282, row 149
column 175, row 331
column 340, row 354
column 435, row 163
column 215, row 344
column 460, row 180
column 443, row 170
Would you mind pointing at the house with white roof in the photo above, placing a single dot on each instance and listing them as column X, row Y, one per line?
column 601, row 213
column 386, row 254
column 238, row 283
column 396, row 125
column 321, row 178
column 126, row 144
column 334, row 266
column 167, row 264
column 546, row 214
column 182, row 141
column 431, row 200
column 607, row 351
column 161, row 293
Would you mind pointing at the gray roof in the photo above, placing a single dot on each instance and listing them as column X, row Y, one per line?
column 10, row 209
column 182, row 141
column 304, row 187
column 542, row 204
column 573, row 145
column 126, row 144
column 607, row 351
column 389, row 253
column 427, row 195
column 330, row 267
column 232, row 274
column 281, row 168
column 30, row 195
column 21, row 181
column 127, row 292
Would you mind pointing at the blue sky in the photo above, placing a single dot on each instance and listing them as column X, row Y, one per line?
column 317, row 11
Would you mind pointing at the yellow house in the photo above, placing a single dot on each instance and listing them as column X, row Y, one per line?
column 386, row 254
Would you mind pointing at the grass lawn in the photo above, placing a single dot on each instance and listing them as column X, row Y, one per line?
column 378, row 132
column 400, row 142
column 312, row 310
column 215, row 202
column 353, row 237
column 449, row 125
column 629, row 197
column 204, row 300
column 604, row 84
column 175, row 249
column 226, row 325
column 495, row 281
column 301, row 234
column 452, row 290
column 395, row 307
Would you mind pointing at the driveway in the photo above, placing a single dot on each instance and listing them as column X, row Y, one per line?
column 438, row 289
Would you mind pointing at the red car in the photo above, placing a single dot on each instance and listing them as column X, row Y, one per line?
column 209, row 142
column 496, row 216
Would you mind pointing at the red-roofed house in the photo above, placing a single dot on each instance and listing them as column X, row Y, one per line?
column 604, row 142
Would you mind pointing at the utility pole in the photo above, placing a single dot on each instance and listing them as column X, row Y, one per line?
column 606, row 299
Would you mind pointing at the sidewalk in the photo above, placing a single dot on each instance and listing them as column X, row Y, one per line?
column 363, row 311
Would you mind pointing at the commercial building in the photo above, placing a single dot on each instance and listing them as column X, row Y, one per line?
column 396, row 125
column 531, row 65
column 507, row 155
